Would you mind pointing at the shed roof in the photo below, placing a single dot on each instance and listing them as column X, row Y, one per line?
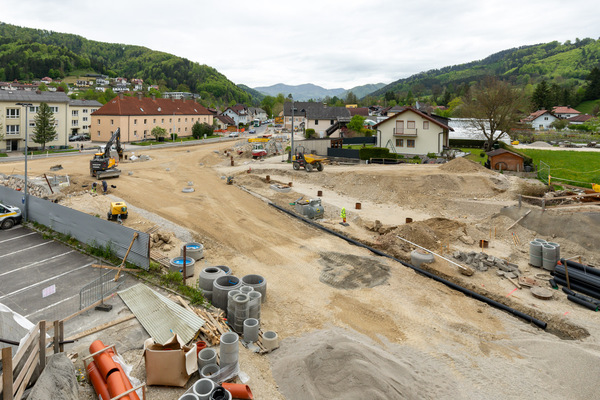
column 502, row 151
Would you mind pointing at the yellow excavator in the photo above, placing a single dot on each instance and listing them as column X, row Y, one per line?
column 307, row 161
column 104, row 164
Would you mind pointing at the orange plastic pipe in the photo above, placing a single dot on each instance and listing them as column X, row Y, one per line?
column 238, row 390
column 116, row 386
column 97, row 381
column 106, row 365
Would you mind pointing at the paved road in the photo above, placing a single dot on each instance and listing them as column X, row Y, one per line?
column 41, row 278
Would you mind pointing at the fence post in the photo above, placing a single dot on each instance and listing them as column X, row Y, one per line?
column 520, row 199
column 7, row 373
column 56, row 339
column 61, row 336
column 42, row 345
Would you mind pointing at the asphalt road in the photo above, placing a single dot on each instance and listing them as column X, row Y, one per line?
column 40, row 278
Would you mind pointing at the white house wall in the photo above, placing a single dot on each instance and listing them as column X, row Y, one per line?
column 426, row 141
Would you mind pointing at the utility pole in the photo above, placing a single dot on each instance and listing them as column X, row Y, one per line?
column 26, row 105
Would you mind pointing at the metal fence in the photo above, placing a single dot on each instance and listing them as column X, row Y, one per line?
column 98, row 289
column 85, row 228
column 343, row 153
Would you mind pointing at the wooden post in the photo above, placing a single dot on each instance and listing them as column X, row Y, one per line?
column 567, row 275
column 184, row 265
column 135, row 236
column 7, row 373
column 543, row 204
column 42, row 345
column 61, row 329
column 56, row 337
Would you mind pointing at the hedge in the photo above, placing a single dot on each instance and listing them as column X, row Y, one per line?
column 467, row 143
column 375, row 152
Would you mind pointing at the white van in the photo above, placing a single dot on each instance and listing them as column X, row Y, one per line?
column 9, row 216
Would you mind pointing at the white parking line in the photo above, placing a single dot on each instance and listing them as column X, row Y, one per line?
column 18, row 237
column 32, row 247
column 52, row 305
column 44, row 282
column 37, row 262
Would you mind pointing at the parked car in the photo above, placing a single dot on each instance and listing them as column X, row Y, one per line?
column 78, row 138
column 234, row 134
column 251, row 131
column 9, row 216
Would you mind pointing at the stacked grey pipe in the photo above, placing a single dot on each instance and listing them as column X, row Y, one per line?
column 544, row 254
column 240, row 311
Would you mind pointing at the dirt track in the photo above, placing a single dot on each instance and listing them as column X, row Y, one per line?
column 417, row 325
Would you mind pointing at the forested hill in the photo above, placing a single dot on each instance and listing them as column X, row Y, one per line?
column 28, row 54
column 565, row 64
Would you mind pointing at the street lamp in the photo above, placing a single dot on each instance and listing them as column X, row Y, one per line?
column 293, row 153
column 26, row 105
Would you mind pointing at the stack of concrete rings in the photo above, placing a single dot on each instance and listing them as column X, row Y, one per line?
column 206, row 279
column 221, row 287
column 258, row 283
column 229, row 349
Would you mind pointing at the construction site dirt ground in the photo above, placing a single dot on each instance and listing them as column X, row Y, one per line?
column 354, row 325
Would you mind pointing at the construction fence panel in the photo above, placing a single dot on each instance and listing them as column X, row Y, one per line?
column 83, row 227
column 344, row 153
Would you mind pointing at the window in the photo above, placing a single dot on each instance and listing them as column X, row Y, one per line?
column 145, row 121
column 154, row 121
column 399, row 142
column 98, row 122
column 13, row 112
column 162, row 121
column 84, row 119
column 12, row 129
column 186, row 120
column 93, row 110
column 54, row 109
column 545, row 118
column 32, row 124
column 399, row 127
column 410, row 124
column 84, row 126
column 34, row 109
column 74, row 113
column 316, row 122
column 170, row 120
column 186, row 128
column 178, row 119
column 85, row 110
column 410, row 143
column 135, row 133
column 425, row 124
column 112, row 122
column 135, row 121
column 178, row 129
column 98, row 133
column 74, row 122
column 331, row 122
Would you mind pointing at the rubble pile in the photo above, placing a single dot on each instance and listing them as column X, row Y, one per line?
column 482, row 262
column 162, row 241
column 19, row 184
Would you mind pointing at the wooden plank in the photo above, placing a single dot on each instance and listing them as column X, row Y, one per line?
column 61, row 328
column 184, row 304
column 30, row 338
column 519, row 220
column 129, row 391
column 571, row 196
column 56, row 338
column 135, row 236
column 22, row 380
column 101, row 327
column 7, row 374
column 87, row 308
column 42, row 345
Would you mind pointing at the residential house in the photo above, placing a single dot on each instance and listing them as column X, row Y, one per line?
column 311, row 115
column 565, row 112
column 223, row 122
column 504, row 160
column 137, row 116
column 46, row 80
column 580, row 119
column 80, row 112
column 257, row 113
column 540, row 120
column 101, row 81
column 16, row 120
column 178, row 95
column 239, row 113
column 412, row 132
column 120, row 88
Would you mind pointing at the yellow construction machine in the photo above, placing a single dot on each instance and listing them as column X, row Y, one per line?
column 307, row 161
column 104, row 164
column 118, row 211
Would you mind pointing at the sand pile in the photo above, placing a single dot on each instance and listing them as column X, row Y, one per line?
column 339, row 364
column 463, row 165
column 540, row 144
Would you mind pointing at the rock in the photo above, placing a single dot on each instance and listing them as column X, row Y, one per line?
column 467, row 239
column 167, row 248
column 57, row 381
column 386, row 229
column 166, row 237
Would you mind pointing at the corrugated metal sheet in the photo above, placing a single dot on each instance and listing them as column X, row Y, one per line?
column 160, row 316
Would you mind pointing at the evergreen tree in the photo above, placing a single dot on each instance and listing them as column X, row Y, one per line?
column 541, row 97
column 592, row 91
column 44, row 130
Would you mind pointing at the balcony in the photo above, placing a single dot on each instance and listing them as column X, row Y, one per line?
column 406, row 132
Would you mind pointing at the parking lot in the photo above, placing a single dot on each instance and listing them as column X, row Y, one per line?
column 40, row 278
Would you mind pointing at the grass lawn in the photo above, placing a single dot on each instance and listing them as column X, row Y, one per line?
column 52, row 151
column 3, row 155
column 474, row 156
column 587, row 106
column 357, row 146
column 571, row 167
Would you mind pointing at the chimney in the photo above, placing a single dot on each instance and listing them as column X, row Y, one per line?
column 121, row 95
column 139, row 95
column 153, row 97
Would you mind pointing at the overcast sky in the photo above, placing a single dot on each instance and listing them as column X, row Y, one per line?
column 331, row 43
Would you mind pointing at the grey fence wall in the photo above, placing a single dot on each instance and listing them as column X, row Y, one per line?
column 361, row 140
column 315, row 146
column 83, row 227
column 345, row 153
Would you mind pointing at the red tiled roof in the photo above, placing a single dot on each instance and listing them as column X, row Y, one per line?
column 147, row 106
column 225, row 119
column 362, row 111
column 564, row 110
column 535, row 115
column 580, row 118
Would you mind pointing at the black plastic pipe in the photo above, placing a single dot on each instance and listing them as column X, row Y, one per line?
column 493, row 303
column 579, row 276
column 579, row 287
column 583, row 303
column 581, row 267
column 581, row 296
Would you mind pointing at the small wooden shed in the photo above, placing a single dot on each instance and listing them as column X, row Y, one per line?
column 501, row 159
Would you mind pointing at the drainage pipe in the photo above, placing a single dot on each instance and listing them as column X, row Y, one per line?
column 579, row 287
column 579, row 295
column 493, row 303
column 583, row 303
column 238, row 390
column 580, row 267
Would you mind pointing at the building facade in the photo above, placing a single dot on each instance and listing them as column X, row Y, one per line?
column 137, row 116
column 80, row 113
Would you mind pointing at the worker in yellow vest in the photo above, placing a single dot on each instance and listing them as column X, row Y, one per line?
column 343, row 214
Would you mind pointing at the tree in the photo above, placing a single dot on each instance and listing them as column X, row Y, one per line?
column 158, row 132
column 351, row 98
column 592, row 91
column 356, row 124
column 44, row 130
column 493, row 107
column 201, row 129
column 541, row 97
column 560, row 124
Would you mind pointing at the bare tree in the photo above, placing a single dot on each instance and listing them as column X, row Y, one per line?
column 493, row 107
